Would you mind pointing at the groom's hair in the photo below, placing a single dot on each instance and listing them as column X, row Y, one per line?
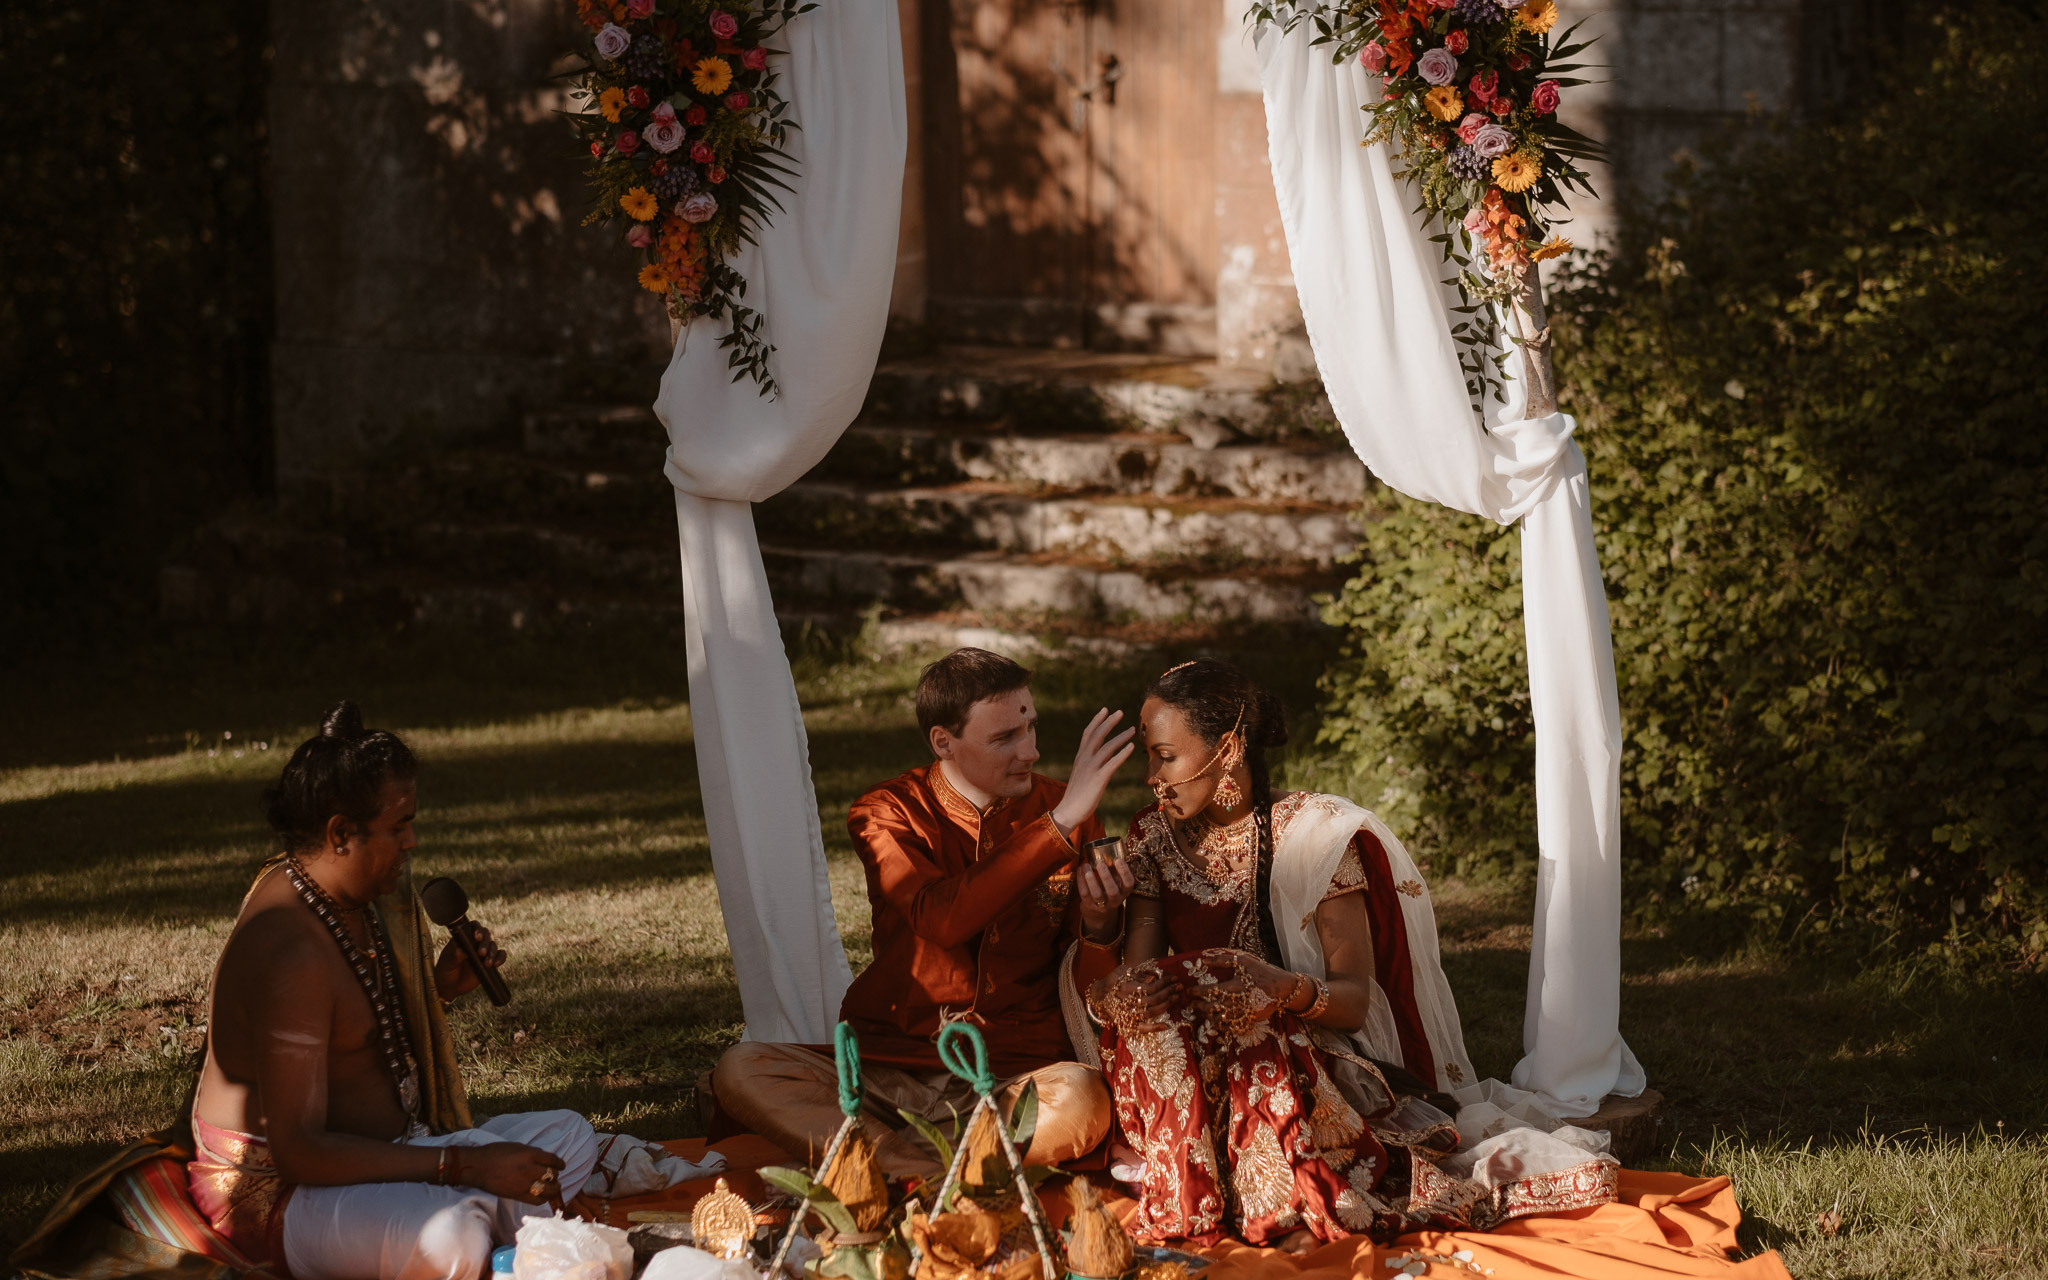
column 953, row 684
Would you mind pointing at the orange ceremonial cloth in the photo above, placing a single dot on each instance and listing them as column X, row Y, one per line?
column 972, row 912
column 1664, row 1225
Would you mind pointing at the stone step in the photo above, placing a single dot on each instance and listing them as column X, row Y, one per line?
column 1158, row 465
column 1036, row 390
column 1121, row 530
column 996, row 583
column 626, row 431
column 508, row 484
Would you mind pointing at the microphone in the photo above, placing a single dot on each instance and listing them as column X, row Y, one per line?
column 448, row 906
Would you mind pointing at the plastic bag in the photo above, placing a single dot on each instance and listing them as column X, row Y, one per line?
column 686, row 1263
column 570, row 1249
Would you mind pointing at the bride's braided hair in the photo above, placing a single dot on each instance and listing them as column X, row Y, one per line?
column 1215, row 697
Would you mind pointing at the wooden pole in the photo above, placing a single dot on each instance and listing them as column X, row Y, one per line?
column 1526, row 321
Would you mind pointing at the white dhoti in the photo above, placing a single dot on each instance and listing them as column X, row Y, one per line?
column 418, row 1231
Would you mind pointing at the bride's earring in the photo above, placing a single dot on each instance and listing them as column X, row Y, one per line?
column 1228, row 794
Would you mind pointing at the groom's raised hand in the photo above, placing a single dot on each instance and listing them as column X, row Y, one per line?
column 1102, row 752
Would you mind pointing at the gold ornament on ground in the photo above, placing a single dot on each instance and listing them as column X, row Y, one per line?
column 722, row 1223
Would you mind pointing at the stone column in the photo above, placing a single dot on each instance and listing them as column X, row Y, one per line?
column 1258, row 317
column 432, row 276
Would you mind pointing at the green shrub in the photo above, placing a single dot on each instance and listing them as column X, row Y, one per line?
column 1810, row 400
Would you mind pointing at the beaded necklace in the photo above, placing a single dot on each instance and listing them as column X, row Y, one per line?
column 377, row 984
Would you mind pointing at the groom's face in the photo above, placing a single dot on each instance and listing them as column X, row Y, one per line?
column 997, row 746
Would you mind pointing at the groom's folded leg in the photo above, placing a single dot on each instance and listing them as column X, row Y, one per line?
column 789, row 1094
column 1073, row 1111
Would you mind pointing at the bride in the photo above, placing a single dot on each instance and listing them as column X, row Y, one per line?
column 1272, row 1014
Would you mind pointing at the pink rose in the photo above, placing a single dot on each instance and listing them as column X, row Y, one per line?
column 737, row 100
column 664, row 113
column 1475, row 221
column 1373, row 57
column 627, row 142
column 640, row 8
column 640, row 236
column 665, row 135
column 612, row 41
column 596, row 147
column 693, row 114
column 701, row 152
column 1544, row 100
column 1469, row 127
column 1445, row 4
column 1502, row 107
column 698, row 206
column 1492, row 141
column 1437, row 66
column 754, row 59
column 1484, row 84
column 714, row 174
column 1518, row 62
column 636, row 97
column 724, row 25
column 1457, row 41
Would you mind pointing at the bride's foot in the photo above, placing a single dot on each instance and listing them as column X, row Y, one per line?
column 1299, row 1240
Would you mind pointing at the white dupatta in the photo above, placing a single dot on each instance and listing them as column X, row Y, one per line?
column 1309, row 839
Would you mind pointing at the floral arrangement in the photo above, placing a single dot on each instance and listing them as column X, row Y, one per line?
column 685, row 131
column 1470, row 96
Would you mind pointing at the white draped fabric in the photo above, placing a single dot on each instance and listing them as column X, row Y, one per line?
column 821, row 273
column 1377, row 312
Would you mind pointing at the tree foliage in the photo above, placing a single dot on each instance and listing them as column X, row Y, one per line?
column 1810, row 401
column 135, row 288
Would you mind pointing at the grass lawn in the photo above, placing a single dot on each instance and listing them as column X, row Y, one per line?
column 560, row 787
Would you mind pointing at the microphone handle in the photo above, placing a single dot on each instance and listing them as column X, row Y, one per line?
column 493, row 981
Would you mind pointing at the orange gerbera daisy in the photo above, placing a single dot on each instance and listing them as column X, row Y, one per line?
column 654, row 278
column 1555, row 247
column 1444, row 103
column 713, row 75
column 639, row 204
column 1517, row 171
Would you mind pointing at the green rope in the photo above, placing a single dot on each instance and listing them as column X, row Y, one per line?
column 846, row 1053
column 975, row 1070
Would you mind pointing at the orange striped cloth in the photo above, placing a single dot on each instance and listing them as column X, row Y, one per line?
column 1664, row 1226
column 154, row 1199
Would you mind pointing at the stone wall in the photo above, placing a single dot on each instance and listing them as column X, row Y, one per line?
column 432, row 278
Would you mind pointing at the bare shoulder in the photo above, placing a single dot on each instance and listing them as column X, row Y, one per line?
column 276, row 942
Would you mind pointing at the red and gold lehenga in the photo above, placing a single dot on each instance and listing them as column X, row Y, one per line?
column 1258, row 1124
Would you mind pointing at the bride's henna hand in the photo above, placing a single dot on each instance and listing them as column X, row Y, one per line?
column 1135, row 999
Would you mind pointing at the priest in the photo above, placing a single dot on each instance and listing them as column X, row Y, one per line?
column 971, row 864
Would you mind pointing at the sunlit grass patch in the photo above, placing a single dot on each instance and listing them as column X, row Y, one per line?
column 1908, row 1205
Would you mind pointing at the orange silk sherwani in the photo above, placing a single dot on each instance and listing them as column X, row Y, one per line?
column 972, row 912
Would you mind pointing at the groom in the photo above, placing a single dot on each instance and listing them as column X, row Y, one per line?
column 970, row 868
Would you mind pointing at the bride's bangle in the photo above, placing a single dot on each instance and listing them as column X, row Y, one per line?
column 1293, row 990
column 1322, row 1001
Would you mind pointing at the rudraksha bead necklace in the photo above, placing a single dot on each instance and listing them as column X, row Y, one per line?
column 379, row 987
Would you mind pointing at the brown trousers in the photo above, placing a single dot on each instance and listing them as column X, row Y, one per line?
column 790, row 1095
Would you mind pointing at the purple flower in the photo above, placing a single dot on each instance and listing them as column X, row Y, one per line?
column 698, row 206
column 1438, row 66
column 613, row 41
column 1493, row 141
column 1466, row 164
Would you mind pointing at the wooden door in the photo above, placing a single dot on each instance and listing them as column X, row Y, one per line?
column 1070, row 181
